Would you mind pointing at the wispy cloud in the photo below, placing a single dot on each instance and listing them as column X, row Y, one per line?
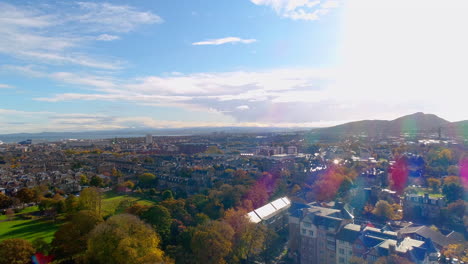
column 300, row 9
column 5, row 86
column 222, row 41
column 107, row 37
column 57, row 34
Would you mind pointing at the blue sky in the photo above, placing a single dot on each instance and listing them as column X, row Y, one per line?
column 74, row 66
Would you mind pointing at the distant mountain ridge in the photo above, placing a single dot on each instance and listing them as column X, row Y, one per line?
column 412, row 124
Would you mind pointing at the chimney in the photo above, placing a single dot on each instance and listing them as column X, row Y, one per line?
column 391, row 249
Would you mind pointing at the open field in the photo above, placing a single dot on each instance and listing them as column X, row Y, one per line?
column 31, row 229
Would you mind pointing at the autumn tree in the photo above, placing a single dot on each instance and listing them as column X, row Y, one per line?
column 211, row 243
column 357, row 260
column 26, row 195
column 71, row 238
column 383, row 210
column 124, row 239
column 392, row 259
column 248, row 237
column 16, row 251
column 459, row 251
column 91, row 199
column 5, row 201
column 434, row 184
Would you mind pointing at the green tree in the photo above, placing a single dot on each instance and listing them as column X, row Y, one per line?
column 124, row 239
column 71, row 238
column 160, row 218
column 41, row 246
column 211, row 243
column 453, row 191
column 96, row 181
column 147, row 179
column 15, row 251
column 167, row 194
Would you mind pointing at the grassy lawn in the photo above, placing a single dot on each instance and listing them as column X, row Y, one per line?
column 112, row 200
column 28, row 229
column 44, row 228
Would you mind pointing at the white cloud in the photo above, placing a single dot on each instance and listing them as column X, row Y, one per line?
column 115, row 18
column 5, row 86
column 300, row 9
column 107, row 37
column 243, row 107
column 222, row 41
column 55, row 34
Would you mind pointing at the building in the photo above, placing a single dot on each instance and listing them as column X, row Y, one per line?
column 422, row 207
column 291, row 150
column 149, row 139
column 274, row 214
column 329, row 235
column 315, row 230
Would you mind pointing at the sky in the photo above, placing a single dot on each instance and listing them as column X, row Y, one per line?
column 99, row 65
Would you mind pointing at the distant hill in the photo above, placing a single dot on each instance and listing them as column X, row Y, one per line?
column 418, row 123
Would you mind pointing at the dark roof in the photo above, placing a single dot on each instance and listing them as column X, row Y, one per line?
column 426, row 232
column 296, row 209
column 349, row 233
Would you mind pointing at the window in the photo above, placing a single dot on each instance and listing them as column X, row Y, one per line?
column 304, row 231
column 341, row 260
column 307, row 224
column 311, row 233
column 341, row 250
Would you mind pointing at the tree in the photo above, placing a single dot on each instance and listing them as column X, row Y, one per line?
column 453, row 191
column 71, row 238
column 248, row 237
column 167, row 194
column 83, row 180
column 96, row 181
column 5, row 201
column 71, row 204
column 383, row 210
column 357, row 260
column 147, row 179
column 434, row 184
column 26, row 195
column 129, row 184
column 15, row 251
column 91, row 199
column 41, row 246
column 124, row 239
column 160, row 218
column 457, row 208
column 459, row 251
column 392, row 259
column 211, row 243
